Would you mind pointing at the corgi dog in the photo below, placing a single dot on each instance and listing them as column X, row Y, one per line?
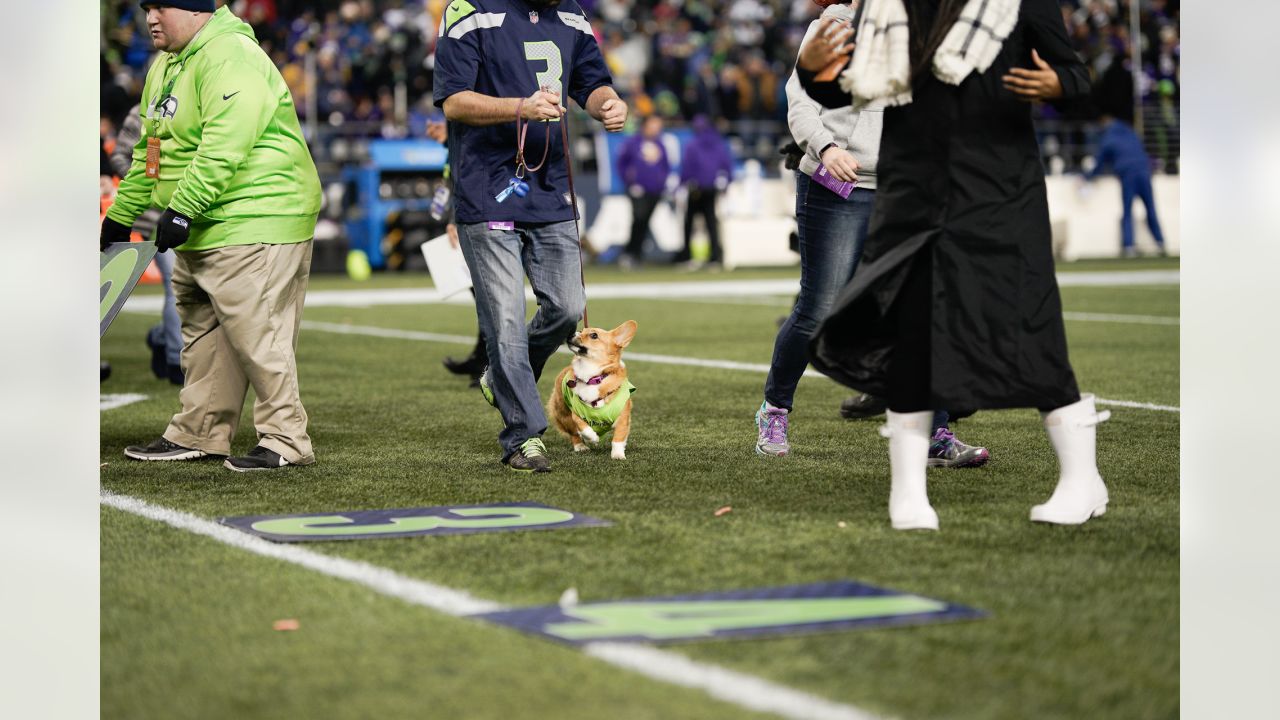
column 593, row 396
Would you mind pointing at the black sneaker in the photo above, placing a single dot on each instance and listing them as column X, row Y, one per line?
column 861, row 407
column 175, row 375
column 161, row 449
column 531, row 457
column 259, row 458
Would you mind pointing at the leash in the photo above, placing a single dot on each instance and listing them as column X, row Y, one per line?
column 573, row 198
column 522, row 130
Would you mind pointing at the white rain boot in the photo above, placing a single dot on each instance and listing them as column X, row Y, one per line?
column 1080, row 494
column 908, row 435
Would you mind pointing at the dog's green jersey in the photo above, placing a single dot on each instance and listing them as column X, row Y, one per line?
column 601, row 419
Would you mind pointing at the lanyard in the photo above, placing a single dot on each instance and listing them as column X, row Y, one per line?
column 154, row 113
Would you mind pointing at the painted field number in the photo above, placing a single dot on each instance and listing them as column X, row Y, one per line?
column 791, row 609
column 409, row 522
column 664, row 621
column 470, row 518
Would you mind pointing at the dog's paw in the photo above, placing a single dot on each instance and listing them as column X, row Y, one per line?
column 579, row 447
column 589, row 436
column 619, row 451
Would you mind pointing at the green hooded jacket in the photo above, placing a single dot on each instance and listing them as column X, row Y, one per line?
column 232, row 154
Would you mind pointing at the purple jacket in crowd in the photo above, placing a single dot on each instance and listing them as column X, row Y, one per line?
column 643, row 163
column 705, row 158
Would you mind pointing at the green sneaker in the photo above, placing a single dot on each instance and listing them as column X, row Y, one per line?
column 485, row 390
column 531, row 457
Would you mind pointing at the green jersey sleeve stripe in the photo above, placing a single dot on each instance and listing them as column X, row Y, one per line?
column 457, row 10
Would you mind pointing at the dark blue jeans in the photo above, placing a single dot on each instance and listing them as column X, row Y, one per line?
column 1138, row 186
column 832, row 231
column 499, row 260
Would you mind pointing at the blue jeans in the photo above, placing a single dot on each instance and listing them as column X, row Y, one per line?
column 1136, row 185
column 169, row 314
column 499, row 261
column 832, row 232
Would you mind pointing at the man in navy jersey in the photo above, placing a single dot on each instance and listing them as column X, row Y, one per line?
column 496, row 60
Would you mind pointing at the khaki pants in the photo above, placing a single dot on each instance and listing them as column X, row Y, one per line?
column 241, row 309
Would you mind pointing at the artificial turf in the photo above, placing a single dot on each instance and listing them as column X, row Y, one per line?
column 1084, row 621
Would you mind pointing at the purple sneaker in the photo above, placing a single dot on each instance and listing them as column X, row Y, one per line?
column 947, row 451
column 772, row 428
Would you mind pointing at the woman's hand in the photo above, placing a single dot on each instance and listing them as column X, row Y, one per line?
column 841, row 164
column 1041, row 83
column 829, row 43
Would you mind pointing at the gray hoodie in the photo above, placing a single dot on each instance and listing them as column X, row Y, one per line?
column 814, row 126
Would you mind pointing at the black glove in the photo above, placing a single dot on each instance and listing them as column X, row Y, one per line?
column 112, row 232
column 172, row 230
column 791, row 154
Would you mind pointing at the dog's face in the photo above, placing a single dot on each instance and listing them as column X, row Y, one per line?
column 602, row 346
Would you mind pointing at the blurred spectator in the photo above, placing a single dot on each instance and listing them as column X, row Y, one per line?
column 644, row 168
column 706, row 167
column 365, row 66
column 1121, row 150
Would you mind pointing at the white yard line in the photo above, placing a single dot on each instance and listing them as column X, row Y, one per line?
column 1138, row 405
column 1113, row 318
column 642, row 357
column 111, row 402
column 742, row 690
column 640, row 290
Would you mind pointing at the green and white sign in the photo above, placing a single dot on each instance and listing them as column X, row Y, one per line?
column 122, row 266
column 409, row 522
column 769, row 611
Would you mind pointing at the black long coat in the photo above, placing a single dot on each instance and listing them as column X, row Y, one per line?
column 960, row 176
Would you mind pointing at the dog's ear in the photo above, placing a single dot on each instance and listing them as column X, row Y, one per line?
column 624, row 333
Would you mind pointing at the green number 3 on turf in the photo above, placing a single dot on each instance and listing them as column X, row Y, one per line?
column 547, row 52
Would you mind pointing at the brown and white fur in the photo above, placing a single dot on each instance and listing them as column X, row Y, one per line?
column 596, row 352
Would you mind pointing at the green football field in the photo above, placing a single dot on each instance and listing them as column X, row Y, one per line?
column 1083, row 621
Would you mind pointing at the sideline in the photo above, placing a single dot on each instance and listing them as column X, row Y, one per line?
column 653, row 290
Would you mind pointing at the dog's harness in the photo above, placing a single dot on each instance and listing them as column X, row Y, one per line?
column 573, row 383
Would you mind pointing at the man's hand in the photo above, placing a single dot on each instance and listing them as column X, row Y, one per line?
column 173, row 230
column 841, row 164
column 827, row 45
column 1039, row 84
column 452, row 231
column 613, row 114
column 112, row 232
column 438, row 131
column 542, row 105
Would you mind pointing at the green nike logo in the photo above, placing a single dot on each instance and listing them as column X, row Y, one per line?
column 455, row 12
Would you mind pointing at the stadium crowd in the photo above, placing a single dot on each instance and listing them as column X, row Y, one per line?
column 675, row 58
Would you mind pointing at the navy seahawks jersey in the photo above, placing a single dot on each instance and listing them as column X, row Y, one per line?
column 509, row 48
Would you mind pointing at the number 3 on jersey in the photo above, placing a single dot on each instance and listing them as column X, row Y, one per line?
column 547, row 52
